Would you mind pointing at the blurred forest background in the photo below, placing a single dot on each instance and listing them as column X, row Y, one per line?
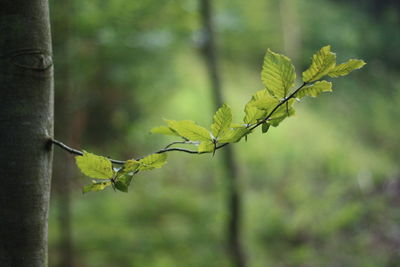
column 322, row 189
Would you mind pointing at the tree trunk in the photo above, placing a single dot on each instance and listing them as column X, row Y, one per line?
column 26, row 123
column 229, row 165
column 291, row 30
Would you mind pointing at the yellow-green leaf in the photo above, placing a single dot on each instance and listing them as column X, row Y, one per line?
column 284, row 111
column 206, row 146
column 254, row 114
column 95, row 166
column 267, row 103
column 322, row 63
column 189, row 130
column 163, row 130
column 238, row 125
column 260, row 94
column 277, row 74
column 129, row 167
column 234, row 135
column 277, row 120
column 222, row 121
column 152, row 162
column 315, row 89
column 95, row 186
column 345, row 68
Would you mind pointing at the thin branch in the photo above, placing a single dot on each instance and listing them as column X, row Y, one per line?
column 80, row 153
column 168, row 147
column 67, row 148
column 178, row 149
column 121, row 162
column 285, row 100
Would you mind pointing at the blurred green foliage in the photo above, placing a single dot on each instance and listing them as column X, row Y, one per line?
column 323, row 189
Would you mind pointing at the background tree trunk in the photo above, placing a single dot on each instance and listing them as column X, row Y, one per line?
column 26, row 123
column 291, row 31
column 229, row 165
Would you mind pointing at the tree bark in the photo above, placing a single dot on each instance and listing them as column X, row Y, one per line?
column 26, row 124
column 229, row 164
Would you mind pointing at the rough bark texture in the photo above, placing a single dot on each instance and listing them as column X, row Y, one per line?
column 229, row 163
column 26, row 123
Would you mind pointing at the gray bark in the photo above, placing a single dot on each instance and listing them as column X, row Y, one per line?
column 26, row 123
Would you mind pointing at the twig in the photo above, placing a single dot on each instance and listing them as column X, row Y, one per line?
column 80, row 153
column 277, row 106
column 168, row 147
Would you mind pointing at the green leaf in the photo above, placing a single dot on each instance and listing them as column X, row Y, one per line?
column 345, row 68
column 121, row 186
column 123, row 182
column 222, row 121
column 152, row 162
column 322, row 63
column 254, row 114
column 267, row 103
column 277, row 74
column 265, row 127
column 206, row 146
column 126, row 179
column 260, row 94
column 234, row 135
column 129, row 167
column 96, row 186
column 276, row 121
column 189, row 130
column 315, row 89
column 163, row 130
column 95, row 166
column 238, row 125
column 284, row 111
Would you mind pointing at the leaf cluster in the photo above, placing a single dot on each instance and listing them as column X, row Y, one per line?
column 100, row 168
column 267, row 107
